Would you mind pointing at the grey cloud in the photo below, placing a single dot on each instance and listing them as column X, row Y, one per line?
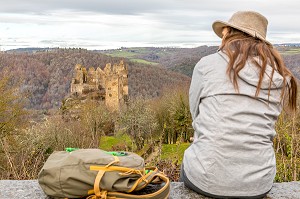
column 129, row 6
column 220, row 7
column 100, row 6
column 212, row 9
column 181, row 20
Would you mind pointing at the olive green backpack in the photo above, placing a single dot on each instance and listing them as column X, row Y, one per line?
column 97, row 174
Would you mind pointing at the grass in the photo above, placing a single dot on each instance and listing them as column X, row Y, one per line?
column 174, row 151
column 131, row 54
column 291, row 51
column 169, row 151
column 122, row 53
column 107, row 143
column 143, row 61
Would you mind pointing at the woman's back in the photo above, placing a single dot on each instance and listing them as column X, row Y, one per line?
column 236, row 96
column 232, row 153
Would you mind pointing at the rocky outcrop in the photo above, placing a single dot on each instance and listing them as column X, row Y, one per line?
column 30, row 189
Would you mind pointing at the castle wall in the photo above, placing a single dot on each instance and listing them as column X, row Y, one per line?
column 110, row 84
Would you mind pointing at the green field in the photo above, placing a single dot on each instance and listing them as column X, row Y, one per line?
column 137, row 54
column 129, row 54
column 121, row 53
column 174, row 152
column 293, row 51
column 107, row 143
column 143, row 61
column 290, row 51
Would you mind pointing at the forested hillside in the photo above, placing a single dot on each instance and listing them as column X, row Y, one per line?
column 183, row 60
column 180, row 60
column 177, row 59
column 46, row 75
column 293, row 63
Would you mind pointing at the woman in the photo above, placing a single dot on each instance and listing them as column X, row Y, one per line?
column 236, row 96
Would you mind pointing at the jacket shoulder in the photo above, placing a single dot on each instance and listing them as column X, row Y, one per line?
column 216, row 54
column 212, row 57
column 210, row 60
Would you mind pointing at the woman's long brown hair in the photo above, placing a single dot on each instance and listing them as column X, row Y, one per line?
column 241, row 47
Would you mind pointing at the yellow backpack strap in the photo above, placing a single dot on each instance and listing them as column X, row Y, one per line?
column 155, row 175
column 162, row 193
column 141, row 183
column 100, row 193
column 97, row 182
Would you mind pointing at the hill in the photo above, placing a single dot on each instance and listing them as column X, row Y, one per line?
column 183, row 60
column 46, row 75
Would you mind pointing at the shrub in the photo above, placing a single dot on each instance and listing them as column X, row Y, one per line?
column 173, row 115
column 138, row 121
column 287, row 148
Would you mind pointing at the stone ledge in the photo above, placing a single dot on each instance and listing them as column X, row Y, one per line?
column 30, row 189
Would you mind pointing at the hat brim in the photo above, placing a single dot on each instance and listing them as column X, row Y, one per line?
column 219, row 25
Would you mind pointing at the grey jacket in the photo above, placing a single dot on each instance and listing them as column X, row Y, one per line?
column 232, row 152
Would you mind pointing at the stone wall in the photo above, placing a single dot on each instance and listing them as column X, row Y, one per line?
column 109, row 85
column 30, row 189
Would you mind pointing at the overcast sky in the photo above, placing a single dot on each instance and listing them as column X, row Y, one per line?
column 103, row 24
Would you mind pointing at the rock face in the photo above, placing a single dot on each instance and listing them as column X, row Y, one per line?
column 30, row 189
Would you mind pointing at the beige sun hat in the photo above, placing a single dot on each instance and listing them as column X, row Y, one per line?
column 249, row 22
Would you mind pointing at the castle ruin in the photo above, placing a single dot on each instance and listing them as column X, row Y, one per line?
column 109, row 85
